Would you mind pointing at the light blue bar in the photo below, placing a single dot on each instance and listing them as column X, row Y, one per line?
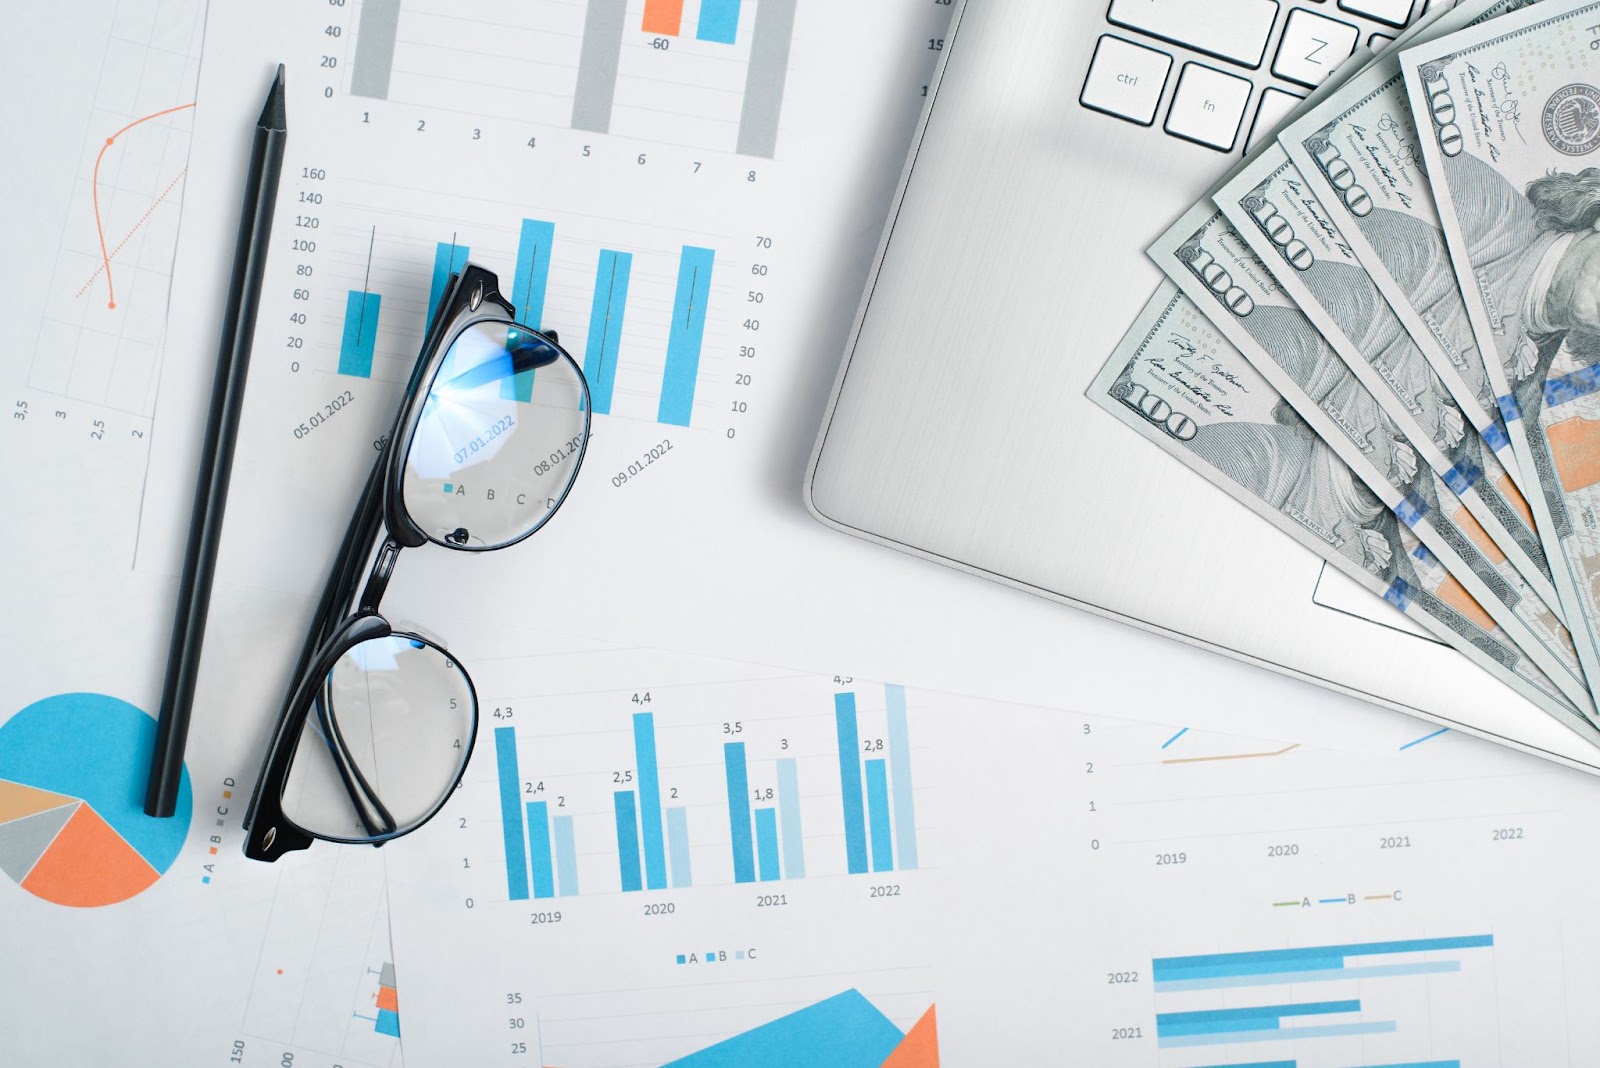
column 533, row 271
column 744, row 861
column 678, row 847
column 719, row 21
column 794, row 844
column 644, row 752
column 1255, row 1064
column 1287, row 1034
column 685, row 335
column 527, row 293
column 1256, row 1012
column 505, row 754
column 855, row 821
column 360, row 333
column 544, row 877
column 388, row 1023
column 767, row 844
column 627, row 839
column 1311, row 958
column 1175, row 737
column 905, row 814
column 1376, row 971
column 448, row 259
column 1419, row 1064
column 605, row 327
column 878, row 815
column 566, row 858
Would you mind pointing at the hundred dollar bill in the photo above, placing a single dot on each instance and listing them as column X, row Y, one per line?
column 1180, row 384
column 1358, row 152
column 1213, row 265
column 1270, row 206
column 1510, row 112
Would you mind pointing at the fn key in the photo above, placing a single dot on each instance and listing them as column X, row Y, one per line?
column 1125, row 80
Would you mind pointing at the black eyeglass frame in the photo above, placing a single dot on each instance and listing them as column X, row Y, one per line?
column 471, row 298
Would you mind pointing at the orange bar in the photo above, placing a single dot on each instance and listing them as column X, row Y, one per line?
column 663, row 17
column 388, row 998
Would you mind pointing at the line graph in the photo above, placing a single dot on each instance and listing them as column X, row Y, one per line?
column 96, row 351
column 94, row 184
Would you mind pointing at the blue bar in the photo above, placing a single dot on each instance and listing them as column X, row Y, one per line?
column 794, row 845
column 744, row 861
column 448, row 259
column 644, row 752
column 1376, row 971
column 566, row 858
column 1313, row 958
column 855, row 822
column 678, row 847
column 605, row 327
column 505, row 753
column 1255, row 1064
column 527, row 293
column 544, row 877
column 683, row 340
column 1287, row 1034
column 719, row 21
column 388, row 1023
column 627, row 839
column 878, row 815
column 767, row 844
column 1218, row 1027
column 360, row 333
column 905, row 815
column 1255, row 1012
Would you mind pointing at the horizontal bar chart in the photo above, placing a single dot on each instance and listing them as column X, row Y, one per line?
column 1271, row 965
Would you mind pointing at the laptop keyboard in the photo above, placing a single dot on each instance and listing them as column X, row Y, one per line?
column 1213, row 72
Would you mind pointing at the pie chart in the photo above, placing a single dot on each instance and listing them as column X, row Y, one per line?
column 72, row 779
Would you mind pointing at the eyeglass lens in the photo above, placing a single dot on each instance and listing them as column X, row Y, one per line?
column 390, row 731
column 499, row 439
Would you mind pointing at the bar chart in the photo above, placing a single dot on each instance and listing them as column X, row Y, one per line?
column 1361, row 968
column 599, row 68
column 599, row 348
column 767, row 818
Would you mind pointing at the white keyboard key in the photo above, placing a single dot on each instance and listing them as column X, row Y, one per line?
column 1312, row 46
column 1274, row 108
column 1235, row 30
column 1378, row 40
column 1125, row 80
column 1394, row 12
column 1207, row 106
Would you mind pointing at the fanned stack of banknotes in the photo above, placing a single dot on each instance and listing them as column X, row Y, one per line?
column 1382, row 334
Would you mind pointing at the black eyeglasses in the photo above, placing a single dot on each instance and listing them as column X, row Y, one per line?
column 378, row 724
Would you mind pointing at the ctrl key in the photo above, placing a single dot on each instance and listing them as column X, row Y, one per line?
column 1125, row 80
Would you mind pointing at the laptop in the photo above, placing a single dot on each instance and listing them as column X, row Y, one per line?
column 1059, row 139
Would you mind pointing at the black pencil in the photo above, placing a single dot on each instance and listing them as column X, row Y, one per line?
column 216, row 454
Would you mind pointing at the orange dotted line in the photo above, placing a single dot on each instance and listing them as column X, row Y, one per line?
column 129, row 235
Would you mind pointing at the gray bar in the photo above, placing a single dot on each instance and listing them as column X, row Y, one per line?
column 763, row 84
column 597, row 65
column 380, row 20
column 386, row 976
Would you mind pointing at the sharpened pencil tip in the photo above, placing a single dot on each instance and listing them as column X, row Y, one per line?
column 274, row 115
